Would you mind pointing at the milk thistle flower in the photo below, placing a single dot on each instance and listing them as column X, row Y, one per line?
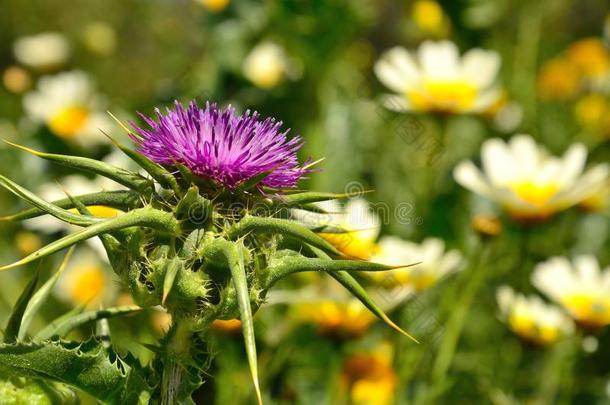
column 221, row 145
column 205, row 233
column 529, row 183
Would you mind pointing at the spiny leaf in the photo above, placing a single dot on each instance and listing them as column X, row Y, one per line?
column 144, row 217
column 282, row 267
column 66, row 325
column 86, row 366
column 156, row 171
column 280, row 226
column 41, row 204
column 14, row 321
column 235, row 261
column 126, row 178
column 350, row 283
column 40, row 297
column 122, row 199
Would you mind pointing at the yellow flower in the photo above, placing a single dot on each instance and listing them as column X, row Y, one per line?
column 69, row 107
column 16, row 79
column 266, row 65
column 436, row 263
column 344, row 318
column 358, row 224
column 86, row 281
column 593, row 111
column 27, row 242
column 214, row 6
column 580, row 287
column 591, row 56
column 529, row 183
column 429, row 17
column 370, row 378
column 531, row 319
column 437, row 79
column 559, row 79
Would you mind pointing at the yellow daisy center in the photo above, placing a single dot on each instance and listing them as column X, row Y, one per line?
column 68, row 121
column 537, row 194
column 588, row 309
column 349, row 318
column 351, row 244
column 88, row 284
column 444, row 96
column 526, row 327
column 215, row 5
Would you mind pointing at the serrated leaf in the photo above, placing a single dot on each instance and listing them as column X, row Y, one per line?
column 280, row 226
column 124, row 177
column 43, row 205
column 67, row 324
column 14, row 321
column 122, row 199
column 40, row 297
column 144, row 217
column 86, row 366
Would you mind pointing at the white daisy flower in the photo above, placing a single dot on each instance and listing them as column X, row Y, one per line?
column 436, row 262
column 86, row 281
column 529, row 183
column 436, row 78
column 42, row 51
column 68, row 105
column 266, row 65
column 532, row 319
column 358, row 221
column 580, row 287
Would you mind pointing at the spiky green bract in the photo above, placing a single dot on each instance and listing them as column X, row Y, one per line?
column 201, row 251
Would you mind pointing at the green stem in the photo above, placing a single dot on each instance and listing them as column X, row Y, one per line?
column 474, row 280
column 178, row 348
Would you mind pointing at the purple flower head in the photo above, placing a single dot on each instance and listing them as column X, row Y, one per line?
column 221, row 145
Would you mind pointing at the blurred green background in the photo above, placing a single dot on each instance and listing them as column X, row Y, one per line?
column 318, row 78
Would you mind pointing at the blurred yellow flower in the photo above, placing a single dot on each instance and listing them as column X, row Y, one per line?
column 429, row 17
column 529, row 183
column 227, row 326
column 436, row 262
column 559, row 79
column 590, row 56
column 345, row 318
column 592, row 111
column 370, row 378
column 44, row 51
column 214, row 6
column 100, row 38
column 437, row 79
column 86, row 281
column 531, row 319
column 16, row 80
column 27, row 242
column 359, row 226
column 579, row 286
column 266, row 65
column 70, row 108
